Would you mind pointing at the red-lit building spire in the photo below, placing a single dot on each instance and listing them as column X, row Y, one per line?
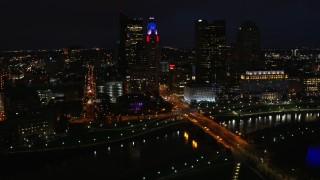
column 152, row 32
column 153, row 57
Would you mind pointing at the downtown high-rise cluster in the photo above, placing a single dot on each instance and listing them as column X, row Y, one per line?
column 142, row 66
column 139, row 56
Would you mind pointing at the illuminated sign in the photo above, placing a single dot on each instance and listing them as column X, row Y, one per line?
column 172, row 66
column 136, row 106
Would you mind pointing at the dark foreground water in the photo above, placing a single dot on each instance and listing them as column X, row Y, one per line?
column 291, row 141
column 180, row 152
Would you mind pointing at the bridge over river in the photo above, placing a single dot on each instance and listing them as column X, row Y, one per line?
column 242, row 150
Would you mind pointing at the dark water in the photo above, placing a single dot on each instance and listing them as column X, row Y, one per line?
column 125, row 160
column 179, row 152
column 292, row 141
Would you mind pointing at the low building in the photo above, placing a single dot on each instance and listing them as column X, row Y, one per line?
column 113, row 89
column 311, row 86
column 37, row 123
column 133, row 103
column 267, row 85
column 199, row 92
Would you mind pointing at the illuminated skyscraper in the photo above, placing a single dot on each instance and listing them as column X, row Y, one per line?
column 130, row 60
column 153, row 57
column 210, row 42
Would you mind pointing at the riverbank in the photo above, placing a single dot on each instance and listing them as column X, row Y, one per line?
column 286, row 147
column 99, row 136
column 220, row 117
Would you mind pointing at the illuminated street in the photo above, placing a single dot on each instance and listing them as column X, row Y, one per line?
column 220, row 133
column 89, row 95
column 240, row 148
column 89, row 98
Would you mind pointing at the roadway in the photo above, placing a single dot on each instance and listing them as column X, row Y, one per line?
column 89, row 95
column 220, row 133
column 89, row 98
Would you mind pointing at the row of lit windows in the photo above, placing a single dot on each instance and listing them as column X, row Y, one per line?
column 312, row 81
column 32, row 131
column 264, row 72
column 279, row 76
column 31, row 128
column 270, row 96
column 312, row 89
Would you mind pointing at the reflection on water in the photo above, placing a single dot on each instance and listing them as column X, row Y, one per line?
column 313, row 156
column 186, row 137
column 194, row 144
column 258, row 122
column 132, row 157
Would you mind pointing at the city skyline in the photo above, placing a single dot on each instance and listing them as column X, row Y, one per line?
column 58, row 24
column 159, row 90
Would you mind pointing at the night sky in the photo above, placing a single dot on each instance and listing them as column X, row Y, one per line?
column 39, row 24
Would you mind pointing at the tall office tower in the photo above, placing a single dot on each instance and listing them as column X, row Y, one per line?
column 248, row 47
column 129, row 59
column 2, row 107
column 153, row 57
column 210, row 43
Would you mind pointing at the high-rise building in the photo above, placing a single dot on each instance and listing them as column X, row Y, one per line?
column 210, row 43
column 130, row 59
column 2, row 107
column 248, row 48
column 153, row 57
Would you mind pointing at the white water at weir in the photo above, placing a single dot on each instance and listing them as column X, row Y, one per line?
column 247, row 125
